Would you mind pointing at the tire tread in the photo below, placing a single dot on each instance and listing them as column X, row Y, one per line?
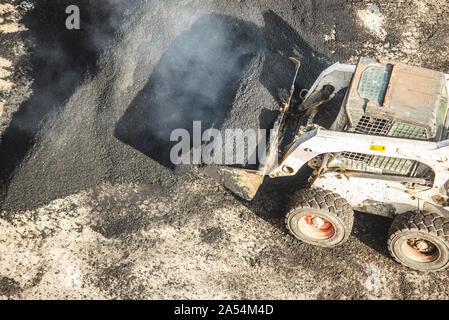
column 317, row 198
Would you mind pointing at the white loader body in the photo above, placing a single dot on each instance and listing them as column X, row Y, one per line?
column 373, row 193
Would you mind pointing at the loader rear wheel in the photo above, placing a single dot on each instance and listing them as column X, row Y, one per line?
column 420, row 240
column 319, row 217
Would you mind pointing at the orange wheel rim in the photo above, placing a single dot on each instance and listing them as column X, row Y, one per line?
column 316, row 227
column 420, row 250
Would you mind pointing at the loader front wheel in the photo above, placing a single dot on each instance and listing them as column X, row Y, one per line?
column 420, row 240
column 319, row 217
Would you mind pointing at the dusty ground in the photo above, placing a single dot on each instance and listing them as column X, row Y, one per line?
column 90, row 205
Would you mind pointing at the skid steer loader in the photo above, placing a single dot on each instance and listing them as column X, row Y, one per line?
column 385, row 153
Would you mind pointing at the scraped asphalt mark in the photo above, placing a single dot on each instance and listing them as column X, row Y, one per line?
column 9, row 287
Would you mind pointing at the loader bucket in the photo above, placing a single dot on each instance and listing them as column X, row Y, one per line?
column 242, row 182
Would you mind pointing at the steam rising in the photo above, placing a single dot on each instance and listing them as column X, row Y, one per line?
column 197, row 77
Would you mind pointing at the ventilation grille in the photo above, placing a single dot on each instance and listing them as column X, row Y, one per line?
column 383, row 127
column 380, row 164
column 376, row 164
column 403, row 130
column 373, row 126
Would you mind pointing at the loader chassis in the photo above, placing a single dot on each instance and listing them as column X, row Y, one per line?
column 386, row 151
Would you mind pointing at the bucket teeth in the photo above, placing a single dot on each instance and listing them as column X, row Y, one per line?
column 242, row 182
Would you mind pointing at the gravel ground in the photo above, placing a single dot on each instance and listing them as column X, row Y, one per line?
column 91, row 207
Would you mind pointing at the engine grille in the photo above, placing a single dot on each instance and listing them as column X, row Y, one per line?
column 373, row 126
column 380, row 164
column 384, row 127
column 403, row 130
column 376, row 164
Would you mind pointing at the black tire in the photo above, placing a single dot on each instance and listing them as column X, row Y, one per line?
column 323, row 204
column 410, row 228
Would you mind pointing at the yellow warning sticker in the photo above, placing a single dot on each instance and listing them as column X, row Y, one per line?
column 373, row 147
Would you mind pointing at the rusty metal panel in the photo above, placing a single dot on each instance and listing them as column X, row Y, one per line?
column 396, row 92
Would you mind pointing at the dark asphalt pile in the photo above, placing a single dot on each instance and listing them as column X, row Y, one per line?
column 80, row 128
